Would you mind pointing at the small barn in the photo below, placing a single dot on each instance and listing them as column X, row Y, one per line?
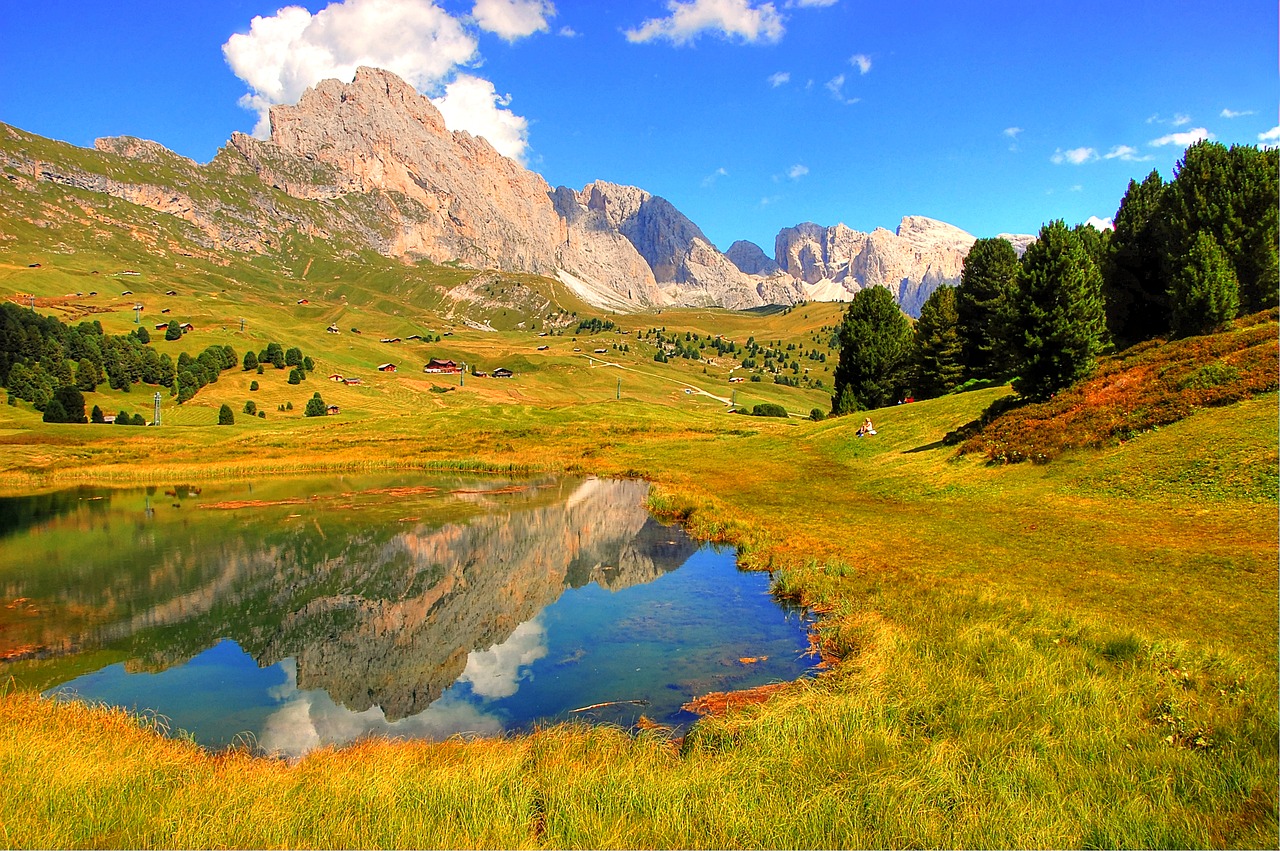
column 337, row 377
column 350, row 381
column 332, row 409
column 442, row 367
column 387, row 367
column 502, row 372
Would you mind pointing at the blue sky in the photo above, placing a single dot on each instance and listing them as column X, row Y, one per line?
column 748, row 116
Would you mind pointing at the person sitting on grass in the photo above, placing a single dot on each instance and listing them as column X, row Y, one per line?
column 866, row 428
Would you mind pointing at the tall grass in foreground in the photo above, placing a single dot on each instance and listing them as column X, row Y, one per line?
column 962, row 723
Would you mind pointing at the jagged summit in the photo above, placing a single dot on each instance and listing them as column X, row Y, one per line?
column 387, row 171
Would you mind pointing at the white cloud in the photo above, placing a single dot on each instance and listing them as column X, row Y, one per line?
column 836, row 87
column 472, row 104
column 513, row 19
column 1231, row 113
column 861, row 61
column 1075, row 156
column 710, row 179
column 282, row 55
column 1182, row 140
column 1180, row 119
column 1125, row 153
column 811, row 4
column 728, row 18
column 1100, row 224
column 797, row 171
column 1272, row 135
column 495, row 672
column 568, row 32
column 1012, row 132
column 779, row 79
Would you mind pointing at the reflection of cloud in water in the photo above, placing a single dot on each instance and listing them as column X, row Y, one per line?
column 310, row 719
column 495, row 672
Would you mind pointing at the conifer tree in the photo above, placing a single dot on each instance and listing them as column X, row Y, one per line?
column 225, row 416
column 984, row 302
column 1059, row 322
column 939, row 367
column 1204, row 292
column 1136, row 275
column 875, row 351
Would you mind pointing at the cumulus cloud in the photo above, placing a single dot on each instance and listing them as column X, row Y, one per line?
column 1272, row 135
column 1075, row 156
column 1125, row 153
column 779, row 79
column 513, row 19
column 285, row 53
column 496, row 672
column 732, row 19
column 1182, row 140
column 812, row 4
column 472, row 104
column 1231, row 113
column 1012, row 132
column 861, row 61
column 797, row 171
column 1100, row 224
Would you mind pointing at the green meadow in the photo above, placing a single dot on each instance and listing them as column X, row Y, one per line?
column 1080, row 653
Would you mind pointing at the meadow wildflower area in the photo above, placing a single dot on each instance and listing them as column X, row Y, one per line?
column 1077, row 653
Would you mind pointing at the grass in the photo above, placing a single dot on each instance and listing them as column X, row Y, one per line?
column 1080, row 653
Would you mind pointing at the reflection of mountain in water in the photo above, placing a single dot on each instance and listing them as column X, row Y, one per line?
column 467, row 587
column 383, row 615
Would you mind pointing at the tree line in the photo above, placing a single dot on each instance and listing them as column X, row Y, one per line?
column 1184, row 258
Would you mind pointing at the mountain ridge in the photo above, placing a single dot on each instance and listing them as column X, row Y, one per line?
column 376, row 161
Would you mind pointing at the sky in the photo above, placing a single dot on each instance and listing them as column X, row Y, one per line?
column 748, row 116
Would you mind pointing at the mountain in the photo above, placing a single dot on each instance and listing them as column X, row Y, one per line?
column 370, row 164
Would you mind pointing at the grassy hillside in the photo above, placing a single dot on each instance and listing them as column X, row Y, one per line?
column 1081, row 653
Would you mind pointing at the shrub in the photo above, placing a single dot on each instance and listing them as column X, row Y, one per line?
column 253, row 385
column 225, row 417
column 769, row 409
column 251, row 408
column 315, row 407
column 817, row 415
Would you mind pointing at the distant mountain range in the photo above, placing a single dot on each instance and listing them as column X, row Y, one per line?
column 382, row 171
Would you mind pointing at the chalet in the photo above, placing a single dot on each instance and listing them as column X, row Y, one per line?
column 166, row 310
column 332, row 409
column 351, row 381
column 338, row 378
column 386, row 367
column 332, row 329
column 736, row 379
column 109, row 419
column 170, row 292
column 414, row 337
column 442, row 366
column 543, row 348
column 303, row 301
column 601, row 351
column 187, row 326
column 162, row 326
column 502, row 372
column 390, row 339
column 127, row 292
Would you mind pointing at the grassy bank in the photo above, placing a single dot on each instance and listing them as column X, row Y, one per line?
column 1077, row 654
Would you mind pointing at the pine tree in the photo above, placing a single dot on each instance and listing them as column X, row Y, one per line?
column 1135, row 278
column 1059, row 320
column 315, row 407
column 939, row 367
column 875, row 350
column 1231, row 193
column 984, row 302
column 1204, row 292
column 250, row 361
column 225, row 416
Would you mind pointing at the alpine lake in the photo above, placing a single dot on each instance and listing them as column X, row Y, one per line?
column 290, row 614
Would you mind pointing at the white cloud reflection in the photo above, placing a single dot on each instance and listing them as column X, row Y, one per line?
column 495, row 673
column 311, row 719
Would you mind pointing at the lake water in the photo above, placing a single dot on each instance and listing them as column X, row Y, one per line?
column 293, row 614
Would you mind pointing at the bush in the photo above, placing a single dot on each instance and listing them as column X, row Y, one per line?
column 817, row 415
column 769, row 409
column 251, row 408
column 253, row 385
column 225, row 417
